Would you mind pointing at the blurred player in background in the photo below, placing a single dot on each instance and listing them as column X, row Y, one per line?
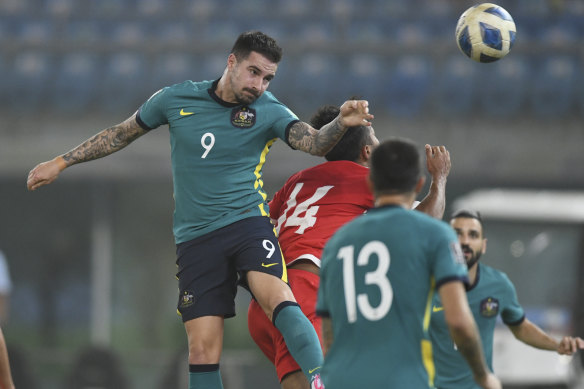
column 309, row 208
column 490, row 294
column 220, row 134
column 378, row 274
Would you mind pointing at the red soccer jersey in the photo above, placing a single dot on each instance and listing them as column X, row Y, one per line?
column 314, row 203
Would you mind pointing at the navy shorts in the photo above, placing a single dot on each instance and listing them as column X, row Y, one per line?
column 211, row 266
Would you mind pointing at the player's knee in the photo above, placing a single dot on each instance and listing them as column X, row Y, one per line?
column 204, row 353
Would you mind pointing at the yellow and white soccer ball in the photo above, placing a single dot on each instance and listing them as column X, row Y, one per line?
column 485, row 32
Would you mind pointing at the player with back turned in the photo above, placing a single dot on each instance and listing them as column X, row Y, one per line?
column 220, row 134
column 378, row 275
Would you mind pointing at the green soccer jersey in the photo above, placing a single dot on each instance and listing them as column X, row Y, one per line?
column 492, row 294
column 217, row 153
column 377, row 279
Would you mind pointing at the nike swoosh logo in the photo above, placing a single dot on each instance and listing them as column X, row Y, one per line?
column 437, row 309
column 269, row 264
column 183, row 113
column 310, row 371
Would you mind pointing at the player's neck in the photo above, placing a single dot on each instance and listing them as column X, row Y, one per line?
column 403, row 200
column 222, row 91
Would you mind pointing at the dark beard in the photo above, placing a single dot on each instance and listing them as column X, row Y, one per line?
column 473, row 259
column 245, row 99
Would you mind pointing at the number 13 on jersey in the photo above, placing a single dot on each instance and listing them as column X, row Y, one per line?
column 378, row 277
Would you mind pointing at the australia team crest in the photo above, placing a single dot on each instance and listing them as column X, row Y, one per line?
column 243, row 117
column 489, row 307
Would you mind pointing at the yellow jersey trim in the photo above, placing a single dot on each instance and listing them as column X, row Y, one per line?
column 426, row 344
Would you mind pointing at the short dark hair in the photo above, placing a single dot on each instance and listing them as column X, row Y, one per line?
column 467, row 213
column 395, row 167
column 259, row 42
column 348, row 148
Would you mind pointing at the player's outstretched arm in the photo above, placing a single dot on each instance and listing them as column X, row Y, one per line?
column 100, row 145
column 5, row 374
column 438, row 165
column 531, row 334
column 304, row 137
column 465, row 334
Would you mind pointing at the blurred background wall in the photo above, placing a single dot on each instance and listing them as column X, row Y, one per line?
column 91, row 256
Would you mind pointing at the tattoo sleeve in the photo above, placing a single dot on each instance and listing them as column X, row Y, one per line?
column 304, row 137
column 106, row 142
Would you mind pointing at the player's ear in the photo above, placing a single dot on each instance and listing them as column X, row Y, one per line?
column 366, row 153
column 484, row 249
column 231, row 61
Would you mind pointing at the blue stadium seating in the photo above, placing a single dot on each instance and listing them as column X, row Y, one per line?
column 108, row 9
column 367, row 77
column 317, row 80
column 129, row 34
column 84, row 32
column 212, row 66
column 123, row 86
column 366, row 31
column 61, row 8
column 409, row 86
column 456, row 87
column 37, row 32
column 172, row 68
column 332, row 48
column 552, row 94
column 76, row 83
column 25, row 80
column 502, row 87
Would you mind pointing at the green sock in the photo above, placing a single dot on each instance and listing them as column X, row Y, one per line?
column 205, row 377
column 300, row 338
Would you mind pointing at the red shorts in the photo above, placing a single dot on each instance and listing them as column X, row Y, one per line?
column 304, row 285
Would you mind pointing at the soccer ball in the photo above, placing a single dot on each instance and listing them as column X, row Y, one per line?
column 485, row 32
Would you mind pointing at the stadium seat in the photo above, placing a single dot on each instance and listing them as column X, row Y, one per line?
column 553, row 94
column 36, row 32
column 151, row 9
column 502, row 87
column 173, row 35
column 366, row 77
column 370, row 31
column 412, row 34
column 172, row 68
column 75, row 85
column 409, row 86
column 317, row 80
column 16, row 8
column 130, row 34
column 455, row 88
column 25, row 80
column 83, row 32
column 294, row 9
column 222, row 32
column 200, row 11
column 212, row 66
column 122, row 88
column 313, row 31
column 61, row 8
column 108, row 9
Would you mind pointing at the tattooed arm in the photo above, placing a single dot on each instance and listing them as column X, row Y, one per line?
column 319, row 142
column 100, row 145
